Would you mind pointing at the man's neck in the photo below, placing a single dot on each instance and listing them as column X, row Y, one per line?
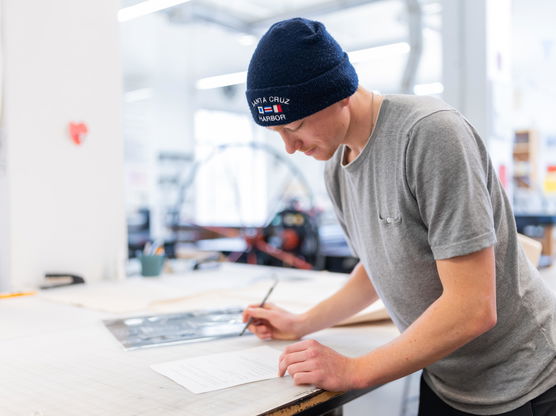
column 364, row 109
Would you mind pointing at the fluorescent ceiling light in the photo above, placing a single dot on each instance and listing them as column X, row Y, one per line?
column 361, row 55
column 222, row 80
column 430, row 88
column 379, row 52
column 146, row 7
column 138, row 95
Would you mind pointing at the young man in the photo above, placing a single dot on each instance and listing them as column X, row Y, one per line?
column 418, row 199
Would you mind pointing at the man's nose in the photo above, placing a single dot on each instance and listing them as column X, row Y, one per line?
column 290, row 143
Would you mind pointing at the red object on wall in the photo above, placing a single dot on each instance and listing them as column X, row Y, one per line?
column 503, row 176
column 77, row 132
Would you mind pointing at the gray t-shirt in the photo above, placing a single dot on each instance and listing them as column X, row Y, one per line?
column 424, row 189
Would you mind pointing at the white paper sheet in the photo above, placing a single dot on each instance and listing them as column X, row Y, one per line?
column 219, row 371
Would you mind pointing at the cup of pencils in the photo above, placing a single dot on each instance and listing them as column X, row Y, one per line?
column 152, row 260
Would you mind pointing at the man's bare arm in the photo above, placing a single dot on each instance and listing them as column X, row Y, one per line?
column 272, row 321
column 355, row 295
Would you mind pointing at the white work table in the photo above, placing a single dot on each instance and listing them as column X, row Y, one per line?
column 59, row 359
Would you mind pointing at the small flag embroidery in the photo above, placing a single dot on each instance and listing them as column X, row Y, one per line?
column 276, row 108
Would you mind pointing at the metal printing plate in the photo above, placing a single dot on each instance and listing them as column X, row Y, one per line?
column 175, row 328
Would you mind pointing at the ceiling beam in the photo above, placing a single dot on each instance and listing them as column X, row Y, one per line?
column 319, row 9
column 195, row 11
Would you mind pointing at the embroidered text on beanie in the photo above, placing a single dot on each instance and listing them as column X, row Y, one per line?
column 296, row 70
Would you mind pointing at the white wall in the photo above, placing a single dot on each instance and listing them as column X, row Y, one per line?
column 4, row 223
column 64, row 202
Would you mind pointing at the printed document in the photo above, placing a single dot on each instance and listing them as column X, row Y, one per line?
column 222, row 370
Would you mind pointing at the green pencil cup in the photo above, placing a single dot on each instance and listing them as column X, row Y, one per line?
column 151, row 265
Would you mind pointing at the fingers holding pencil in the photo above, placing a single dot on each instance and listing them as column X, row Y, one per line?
column 250, row 320
column 258, row 319
column 272, row 322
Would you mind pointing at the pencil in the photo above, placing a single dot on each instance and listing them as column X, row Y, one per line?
column 250, row 321
column 16, row 294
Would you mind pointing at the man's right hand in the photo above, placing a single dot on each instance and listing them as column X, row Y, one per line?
column 272, row 322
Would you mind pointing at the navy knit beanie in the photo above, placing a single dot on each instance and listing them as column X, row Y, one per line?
column 296, row 70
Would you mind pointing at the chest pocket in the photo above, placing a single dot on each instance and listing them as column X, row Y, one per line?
column 389, row 219
column 391, row 227
column 387, row 201
column 391, row 231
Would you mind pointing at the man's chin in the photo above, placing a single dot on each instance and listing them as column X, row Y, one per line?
column 320, row 154
column 322, row 157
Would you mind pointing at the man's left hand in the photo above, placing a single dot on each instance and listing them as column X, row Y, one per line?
column 309, row 362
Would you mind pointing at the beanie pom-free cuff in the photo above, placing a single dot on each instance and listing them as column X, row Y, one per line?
column 279, row 105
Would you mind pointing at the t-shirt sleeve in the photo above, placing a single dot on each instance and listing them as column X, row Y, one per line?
column 447, row 169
